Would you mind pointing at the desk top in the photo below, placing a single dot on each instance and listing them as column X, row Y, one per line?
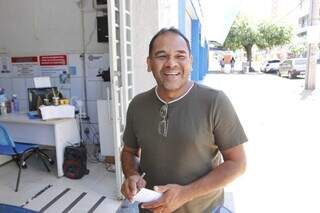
column 23, row 118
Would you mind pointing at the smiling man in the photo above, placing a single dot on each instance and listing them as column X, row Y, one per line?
column 185, row 137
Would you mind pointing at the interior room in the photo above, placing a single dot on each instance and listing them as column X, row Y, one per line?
column 66, row 79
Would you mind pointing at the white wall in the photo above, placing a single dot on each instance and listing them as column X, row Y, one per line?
column 145, row 25
column 168, row 13
column 188, row 26
column 46, row 26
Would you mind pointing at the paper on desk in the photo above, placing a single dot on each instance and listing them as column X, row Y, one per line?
column 55, row 112
column 146, row 195
column 42, row 82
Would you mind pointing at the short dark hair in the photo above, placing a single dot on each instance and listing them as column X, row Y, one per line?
column 168, row 30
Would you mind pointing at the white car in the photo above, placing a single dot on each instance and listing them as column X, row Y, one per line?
column 270, row 66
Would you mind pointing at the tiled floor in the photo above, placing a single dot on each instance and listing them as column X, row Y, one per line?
column 98, row 185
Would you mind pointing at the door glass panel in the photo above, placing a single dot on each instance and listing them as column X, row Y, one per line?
column 128, row 20
column 128, row 49
column 116, row 4
column 128, row 35
column 130, row 79
column 118, row 49
column 129, row 64
column 117, row 17
column 118, row 34
column 128, row 5
column 118, row 64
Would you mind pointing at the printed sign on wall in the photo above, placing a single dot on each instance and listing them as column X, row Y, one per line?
column 53, row 65
column 5, row 66
column 53, row 60
column 27, row 66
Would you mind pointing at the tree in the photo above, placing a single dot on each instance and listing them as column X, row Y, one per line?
column 241, row 34
column 266, row 36
column 298, row 49
column 271, row 35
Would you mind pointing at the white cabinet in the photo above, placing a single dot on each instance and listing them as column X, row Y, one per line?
column 105, row 127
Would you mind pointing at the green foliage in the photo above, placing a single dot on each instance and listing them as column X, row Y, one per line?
column 267, row 35
column 241, row 34
column 298, row 49
column 244, row 35
column 271, row 35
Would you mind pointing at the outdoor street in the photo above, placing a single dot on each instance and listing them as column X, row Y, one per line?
column 282, row 123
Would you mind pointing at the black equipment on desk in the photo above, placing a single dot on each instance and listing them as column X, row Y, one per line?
column 37, row 96
column 75, row 161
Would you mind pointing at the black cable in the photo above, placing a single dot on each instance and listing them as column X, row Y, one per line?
column 300, row 3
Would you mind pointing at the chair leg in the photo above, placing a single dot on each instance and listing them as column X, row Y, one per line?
column 29, row 156
column 18, row 179
column 45, row 156
column 16, row 160
column 44, row 163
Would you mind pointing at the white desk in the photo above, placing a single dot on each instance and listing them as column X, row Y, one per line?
column 59, row 133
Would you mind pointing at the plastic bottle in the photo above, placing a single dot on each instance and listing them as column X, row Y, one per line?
column 15, row 103
column 3, row 108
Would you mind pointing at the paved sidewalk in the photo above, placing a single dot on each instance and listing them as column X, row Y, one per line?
column 282, row 123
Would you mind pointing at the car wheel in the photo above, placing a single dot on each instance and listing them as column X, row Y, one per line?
column 279, row 74
column 290, row 75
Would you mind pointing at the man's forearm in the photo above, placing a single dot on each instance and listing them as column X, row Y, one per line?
column 130, row 163
column 216, row 179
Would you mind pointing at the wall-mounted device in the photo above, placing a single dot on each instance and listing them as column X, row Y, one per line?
column 100, row 4
column 102, row 28
column 104, row 74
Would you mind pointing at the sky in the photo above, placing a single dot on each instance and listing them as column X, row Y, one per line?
column 219, row 15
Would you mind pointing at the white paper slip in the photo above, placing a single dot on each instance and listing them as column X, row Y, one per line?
column 146, row 195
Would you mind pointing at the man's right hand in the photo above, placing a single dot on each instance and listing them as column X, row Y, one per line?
column 132, row 185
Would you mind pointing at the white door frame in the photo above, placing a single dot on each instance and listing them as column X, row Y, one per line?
column 121, row 74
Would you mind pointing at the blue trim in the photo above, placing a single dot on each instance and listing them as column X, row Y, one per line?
column 182, row 16
column 202, row 64
column 195, row 49
column 206, row 58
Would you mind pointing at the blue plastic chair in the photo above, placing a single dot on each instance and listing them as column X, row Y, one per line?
column 20, row 152
column 5, row 208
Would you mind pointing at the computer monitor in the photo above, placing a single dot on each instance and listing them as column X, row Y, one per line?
column 36, row 96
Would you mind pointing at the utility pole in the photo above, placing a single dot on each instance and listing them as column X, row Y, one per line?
column 312, row 40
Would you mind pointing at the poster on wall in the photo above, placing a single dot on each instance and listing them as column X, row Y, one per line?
column 54, row 66
column 95, row 64
column 5, row 66
column 27, row 66
column 75, row 65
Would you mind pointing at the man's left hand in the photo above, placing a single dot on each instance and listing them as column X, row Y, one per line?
column 174, row 196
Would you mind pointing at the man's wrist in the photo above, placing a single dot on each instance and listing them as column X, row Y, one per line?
column 188, row 192
column 132, row 173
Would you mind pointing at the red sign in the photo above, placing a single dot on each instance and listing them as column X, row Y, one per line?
column 27, row 59
column 53, row 60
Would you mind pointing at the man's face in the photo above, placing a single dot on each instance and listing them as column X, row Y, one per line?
column 170, row 62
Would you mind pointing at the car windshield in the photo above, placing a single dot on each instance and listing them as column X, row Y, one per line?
column 301, row 61
column 274, row 61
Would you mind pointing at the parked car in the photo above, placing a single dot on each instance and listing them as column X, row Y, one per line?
column 270, row 66
column 291, row 68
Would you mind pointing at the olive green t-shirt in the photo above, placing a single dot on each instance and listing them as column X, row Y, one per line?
column 199, row 125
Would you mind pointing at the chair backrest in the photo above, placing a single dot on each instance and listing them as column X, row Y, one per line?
column 5, row 139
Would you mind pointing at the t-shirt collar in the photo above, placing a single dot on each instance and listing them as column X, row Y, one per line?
column 155, row 89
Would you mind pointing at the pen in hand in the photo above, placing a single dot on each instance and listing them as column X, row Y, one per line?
column 139, row 185
column 140, row 181
column 143, row 174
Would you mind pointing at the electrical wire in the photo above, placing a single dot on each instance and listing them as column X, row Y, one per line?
column 291, row 11
column 92, row 33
